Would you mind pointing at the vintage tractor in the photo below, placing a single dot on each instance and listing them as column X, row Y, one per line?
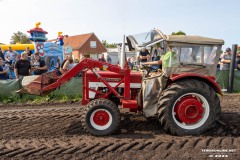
column 183, row 96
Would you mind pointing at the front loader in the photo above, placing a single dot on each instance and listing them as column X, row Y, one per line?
column 183, row 96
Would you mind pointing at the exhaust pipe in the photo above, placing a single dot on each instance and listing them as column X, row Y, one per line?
column 123, row 54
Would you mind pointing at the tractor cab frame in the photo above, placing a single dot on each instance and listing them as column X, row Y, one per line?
column 186, row 54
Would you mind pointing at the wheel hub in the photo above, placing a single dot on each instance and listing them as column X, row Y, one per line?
column 189, row 110
column 101, row 118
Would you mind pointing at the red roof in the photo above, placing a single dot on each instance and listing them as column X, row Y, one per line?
column 80, row 43
column 77, row 41
column 37, row 30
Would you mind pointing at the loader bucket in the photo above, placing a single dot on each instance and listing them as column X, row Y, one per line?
column 34, row 84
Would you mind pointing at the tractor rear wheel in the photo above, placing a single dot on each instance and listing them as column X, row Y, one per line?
column 101, row 117
column 188, row 107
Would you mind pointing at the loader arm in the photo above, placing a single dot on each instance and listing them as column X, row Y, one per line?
column 47, row 82
column 84, row 64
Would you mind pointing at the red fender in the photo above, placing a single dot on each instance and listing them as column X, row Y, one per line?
column 210, row 80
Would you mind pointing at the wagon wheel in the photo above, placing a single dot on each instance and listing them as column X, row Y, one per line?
column 101, row 117
column 188, row 107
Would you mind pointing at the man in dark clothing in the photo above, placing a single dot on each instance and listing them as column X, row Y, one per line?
column 28, row 51
column 3, row 70
column 39, row 66
column 238, row 61
column 238, row 65
column 109, row 59
column 144, row 55
column 2, row 54
column 102, row 58
column 22, row 66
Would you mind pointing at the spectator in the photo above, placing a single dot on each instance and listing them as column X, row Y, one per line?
column 3, row 70
column 69, row 64
column 76, row 61
column 28, row 51
column 226, row 59
column 39, row 66
column 61, row 67
column 238, row 61
column 57, row 67
column 109, row 60
column 22, row 66
column 2, row 54
column 155, row 55
column 102, row 58
column 219, row 65
column 58, row 64
column 134, row 60
column 144, row 55
column 82, row 57
column 11, row 56
column 130, row 64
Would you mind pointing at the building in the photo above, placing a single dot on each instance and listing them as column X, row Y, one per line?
column 114, row 53
column 87, row 45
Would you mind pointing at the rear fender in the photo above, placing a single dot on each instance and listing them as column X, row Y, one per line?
column 210, row 80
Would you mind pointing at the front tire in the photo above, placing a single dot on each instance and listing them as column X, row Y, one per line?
column 101, row 117
column 188, row 107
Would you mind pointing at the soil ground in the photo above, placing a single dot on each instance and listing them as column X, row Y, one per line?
column 54, row 131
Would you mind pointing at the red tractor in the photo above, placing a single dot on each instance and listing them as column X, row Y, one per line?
column 183, row 96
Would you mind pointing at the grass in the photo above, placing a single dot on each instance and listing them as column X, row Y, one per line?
column 30, row 99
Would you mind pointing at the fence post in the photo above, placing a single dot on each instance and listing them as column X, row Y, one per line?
column 232, row 67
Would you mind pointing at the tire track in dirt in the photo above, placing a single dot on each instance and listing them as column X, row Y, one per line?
column 56, row 133
column 68, row 122
column 80, row 148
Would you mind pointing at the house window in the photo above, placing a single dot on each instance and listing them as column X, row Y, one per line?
column 93, row 44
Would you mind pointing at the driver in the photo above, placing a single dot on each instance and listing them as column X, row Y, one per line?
column 165, row 60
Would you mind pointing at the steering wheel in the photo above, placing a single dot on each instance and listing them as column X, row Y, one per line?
column 149, row 69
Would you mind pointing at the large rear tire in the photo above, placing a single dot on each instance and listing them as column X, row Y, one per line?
column 101, row 117
column 188, row 107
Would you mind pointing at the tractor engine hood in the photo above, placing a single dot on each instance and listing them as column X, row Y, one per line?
column 146, row 39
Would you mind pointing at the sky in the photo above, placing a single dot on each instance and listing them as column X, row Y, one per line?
column 111, row 19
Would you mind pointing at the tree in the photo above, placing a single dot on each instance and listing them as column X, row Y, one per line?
column 104, row 42
column 19, row 37
column 109, row 45
column 178, row 33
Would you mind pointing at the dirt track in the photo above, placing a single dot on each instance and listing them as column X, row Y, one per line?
column 55, row 132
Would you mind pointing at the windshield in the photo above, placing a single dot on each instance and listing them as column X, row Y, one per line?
column 146, row 37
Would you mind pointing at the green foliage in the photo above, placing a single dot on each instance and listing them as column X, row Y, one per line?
column 30, row 99
column 9, row 99
column 109, row 45
column 179, row 33
column 19, row 37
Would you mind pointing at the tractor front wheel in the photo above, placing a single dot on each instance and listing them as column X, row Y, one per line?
column 101, row 117
column 188, row 107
